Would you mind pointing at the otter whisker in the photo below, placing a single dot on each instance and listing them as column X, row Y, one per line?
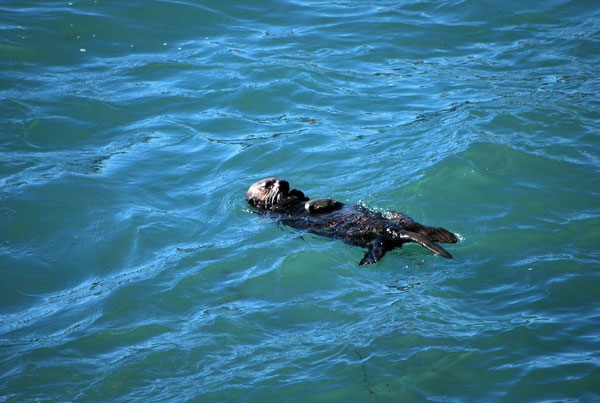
column 271, row 199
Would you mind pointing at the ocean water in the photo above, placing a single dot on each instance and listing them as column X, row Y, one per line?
column 132, row 269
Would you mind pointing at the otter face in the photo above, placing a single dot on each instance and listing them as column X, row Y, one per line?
column 267, row 193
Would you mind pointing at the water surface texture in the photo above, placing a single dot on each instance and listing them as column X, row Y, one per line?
column 132, row 269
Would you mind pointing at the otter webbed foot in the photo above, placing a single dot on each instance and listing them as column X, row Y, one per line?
column 320, row 206
column 377, row 249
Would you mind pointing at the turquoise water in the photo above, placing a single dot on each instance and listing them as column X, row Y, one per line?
column 132, row 269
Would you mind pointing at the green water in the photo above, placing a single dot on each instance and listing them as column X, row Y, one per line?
column 132, row 269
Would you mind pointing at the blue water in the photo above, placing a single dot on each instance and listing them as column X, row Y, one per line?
column 132, row 269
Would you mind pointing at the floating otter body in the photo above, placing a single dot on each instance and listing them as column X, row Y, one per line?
column 355, row 225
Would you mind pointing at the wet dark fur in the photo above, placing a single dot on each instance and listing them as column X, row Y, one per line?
column 353, row 224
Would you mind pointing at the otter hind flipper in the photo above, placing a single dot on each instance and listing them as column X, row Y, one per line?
column 438, row 234
column 422, row 240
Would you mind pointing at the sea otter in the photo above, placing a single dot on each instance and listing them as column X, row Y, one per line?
column 355, row 225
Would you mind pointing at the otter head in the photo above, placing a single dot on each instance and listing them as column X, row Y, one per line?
column 273, row 194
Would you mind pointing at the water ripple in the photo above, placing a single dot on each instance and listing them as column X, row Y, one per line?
column 132, row 267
